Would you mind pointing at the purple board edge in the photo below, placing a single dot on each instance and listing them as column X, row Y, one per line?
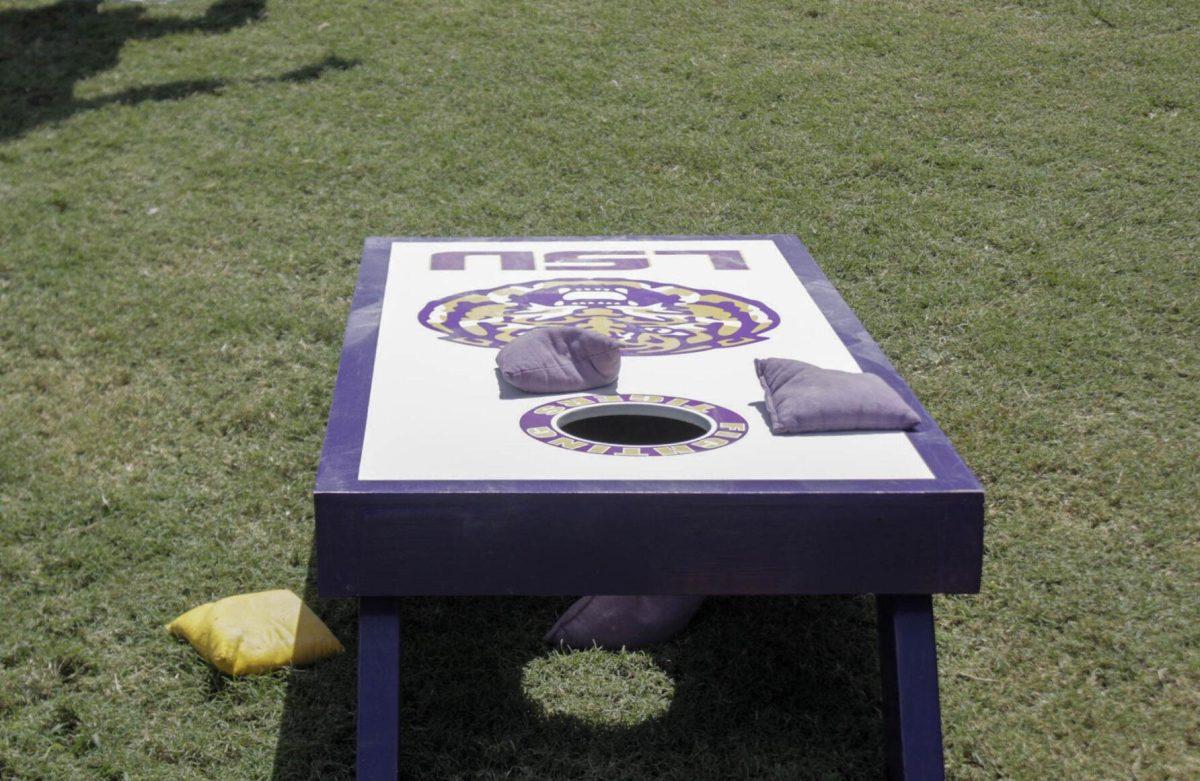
column 339, row 464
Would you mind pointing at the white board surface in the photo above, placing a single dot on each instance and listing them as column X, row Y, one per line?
column 436, row 410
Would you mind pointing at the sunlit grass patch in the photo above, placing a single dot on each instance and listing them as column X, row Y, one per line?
column 599, row 688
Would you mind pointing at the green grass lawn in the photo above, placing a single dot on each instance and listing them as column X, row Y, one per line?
column 1005, row 192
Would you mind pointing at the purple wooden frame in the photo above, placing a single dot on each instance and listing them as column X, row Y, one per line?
column 900, row 539
column 395, row 538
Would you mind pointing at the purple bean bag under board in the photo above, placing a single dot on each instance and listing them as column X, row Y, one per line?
column 559, row 359
column 802, row 398
column 616, row 622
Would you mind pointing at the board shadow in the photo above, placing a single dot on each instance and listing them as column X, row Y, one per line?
column 763, row 687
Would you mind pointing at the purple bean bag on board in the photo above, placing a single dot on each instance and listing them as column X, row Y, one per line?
column 559, row 359
column 616, row 622
column 802, row 398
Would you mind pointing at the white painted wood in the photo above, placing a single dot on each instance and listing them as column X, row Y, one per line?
column 436, row 411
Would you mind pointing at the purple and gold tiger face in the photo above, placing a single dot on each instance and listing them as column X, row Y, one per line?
column 647, row 318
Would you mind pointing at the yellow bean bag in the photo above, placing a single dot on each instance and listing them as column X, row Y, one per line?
column 255, row 633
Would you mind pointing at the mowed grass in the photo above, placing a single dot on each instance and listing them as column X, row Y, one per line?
column 1005, row 192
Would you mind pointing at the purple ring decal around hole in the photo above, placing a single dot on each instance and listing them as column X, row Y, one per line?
column 646, row 317
column 541, row 423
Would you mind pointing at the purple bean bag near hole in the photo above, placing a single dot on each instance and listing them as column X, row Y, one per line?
column 802, row 398
column 559, row 359
column 616, row 622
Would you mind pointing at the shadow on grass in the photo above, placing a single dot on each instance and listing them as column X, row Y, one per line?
column 765, row 687
column 46, row 50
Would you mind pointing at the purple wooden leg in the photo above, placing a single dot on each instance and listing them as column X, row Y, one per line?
column 378, row 688
column 908, row 663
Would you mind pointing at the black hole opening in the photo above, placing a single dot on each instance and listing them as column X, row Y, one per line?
column 625, row 429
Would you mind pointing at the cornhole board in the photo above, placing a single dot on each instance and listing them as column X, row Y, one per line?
column 438, row 478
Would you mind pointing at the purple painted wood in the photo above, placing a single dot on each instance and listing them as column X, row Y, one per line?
column 905, row 539
column 378, row 689
column 665, row 544
column 673, row 537
column 338, row 470
column 908, row 666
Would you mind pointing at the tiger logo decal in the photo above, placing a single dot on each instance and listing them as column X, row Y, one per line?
column 647, row 318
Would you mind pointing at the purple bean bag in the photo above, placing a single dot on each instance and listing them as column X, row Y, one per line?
column 622, row 622
column 803, row 398
column 557, row 359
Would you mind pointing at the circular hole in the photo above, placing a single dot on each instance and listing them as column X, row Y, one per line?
column 633, row 423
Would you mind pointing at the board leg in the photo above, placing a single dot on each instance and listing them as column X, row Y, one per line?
column 378, row 688
column 908, row 665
